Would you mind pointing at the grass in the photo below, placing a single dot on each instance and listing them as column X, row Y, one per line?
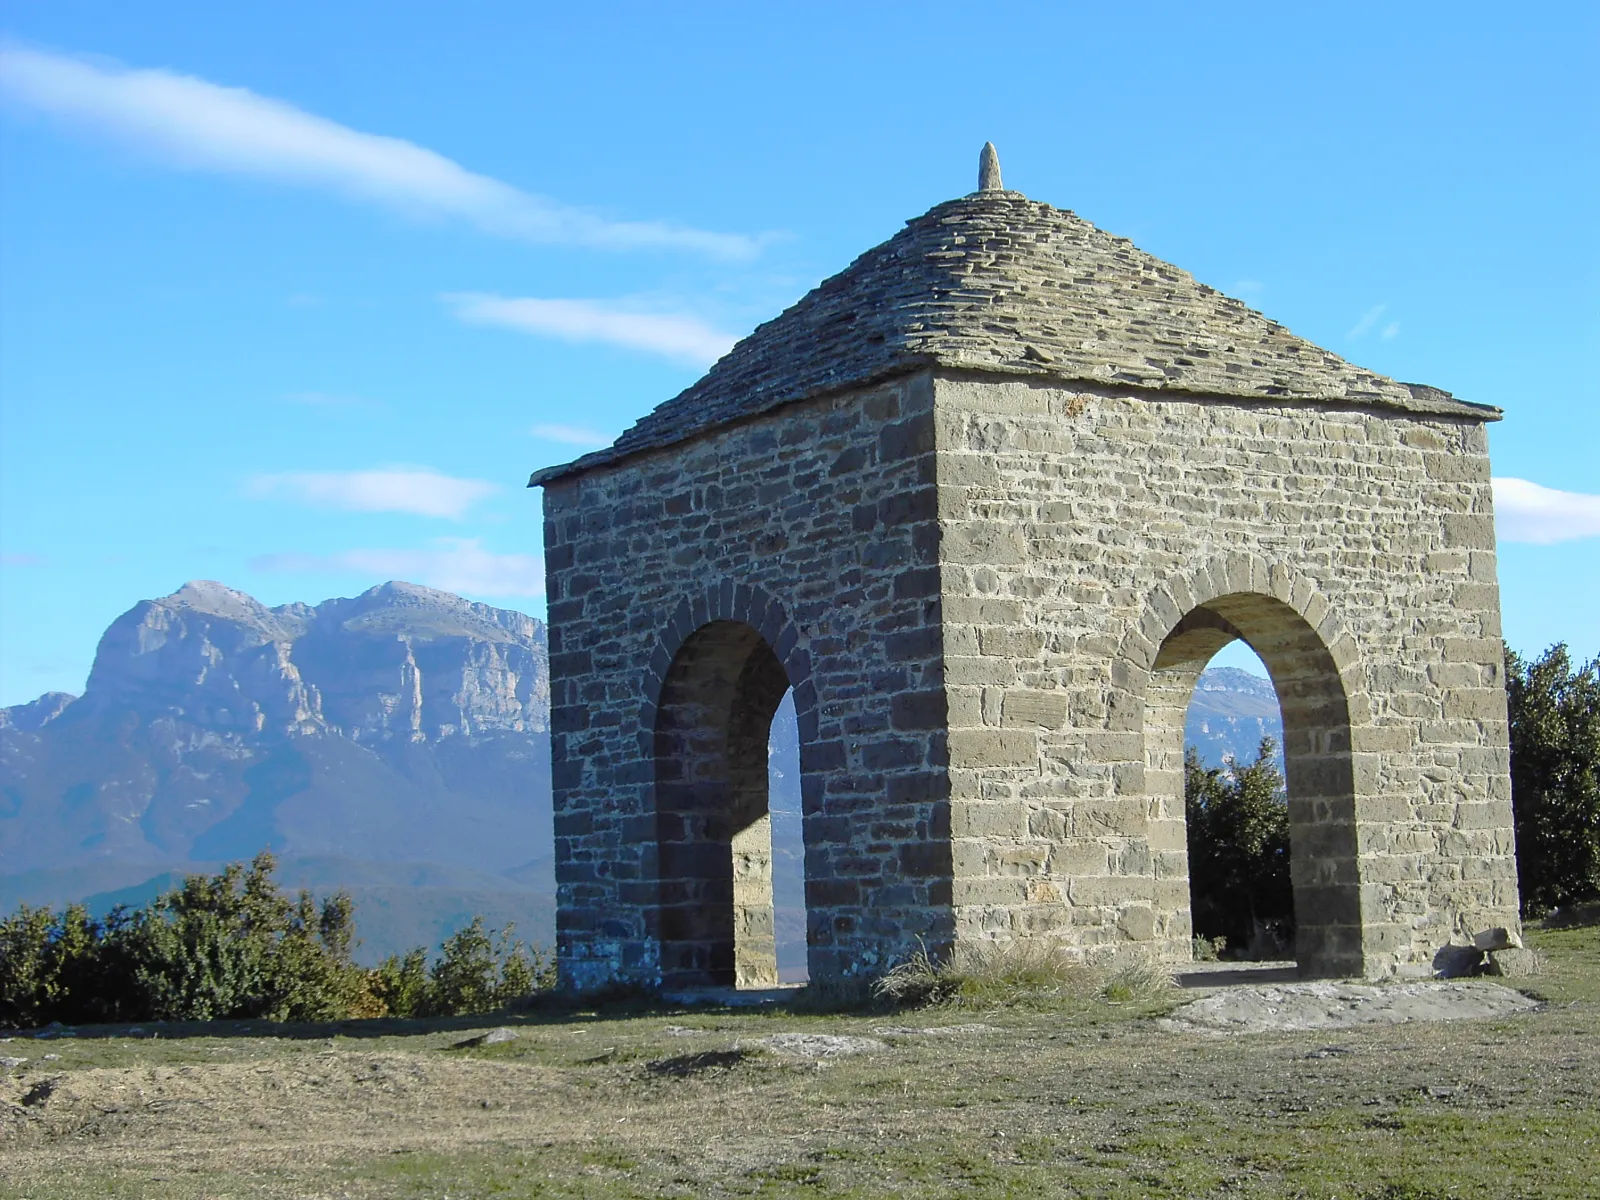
column 1031, row 974
column 1018, row 1077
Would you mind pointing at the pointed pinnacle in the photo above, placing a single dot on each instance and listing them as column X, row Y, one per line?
column 989, row 170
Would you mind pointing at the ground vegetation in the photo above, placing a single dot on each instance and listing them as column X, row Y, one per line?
column 1554, row 706
column 1076, row 1095
column 235, row 946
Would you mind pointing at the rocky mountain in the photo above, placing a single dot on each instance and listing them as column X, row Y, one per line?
column 404, row 725
column 1231, row 711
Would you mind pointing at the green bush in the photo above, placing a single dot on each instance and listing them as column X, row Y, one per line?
column 233, row 946
column 1555, row 777
column 475, row 973
column 67, row 968
column 1238, row 825
column 400, row 983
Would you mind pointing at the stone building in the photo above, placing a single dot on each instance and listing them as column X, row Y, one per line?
column 988, row 500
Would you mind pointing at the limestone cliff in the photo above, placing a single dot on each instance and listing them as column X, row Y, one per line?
column 404, row 723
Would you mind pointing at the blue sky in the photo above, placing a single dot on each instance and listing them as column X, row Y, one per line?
column 293, row 296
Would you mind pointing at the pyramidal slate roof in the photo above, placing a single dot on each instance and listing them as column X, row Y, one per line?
column 997, row 283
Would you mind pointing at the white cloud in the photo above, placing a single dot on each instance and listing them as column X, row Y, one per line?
column 206, row 126
column 452, row 564
column 1367, row 321
column 1392, row 329
column 571, row 435
column 686, row 339
column 419, row 490
column 1527, row 512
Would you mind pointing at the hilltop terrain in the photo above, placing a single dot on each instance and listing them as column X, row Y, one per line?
column 1069, row 1097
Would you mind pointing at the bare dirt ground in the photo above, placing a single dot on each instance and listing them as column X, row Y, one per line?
column 1089, row 1099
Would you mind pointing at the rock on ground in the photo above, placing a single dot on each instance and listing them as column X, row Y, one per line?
column 814, row 1045
column 1295, row 1006
column 1513, row 961
column 493, row 1038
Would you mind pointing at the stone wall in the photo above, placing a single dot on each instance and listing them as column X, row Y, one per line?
column 1097, row 545
column 813, row 526
column 992, row 597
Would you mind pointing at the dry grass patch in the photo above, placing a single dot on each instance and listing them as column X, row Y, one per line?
column 1053, row 1091
column 1027, row 974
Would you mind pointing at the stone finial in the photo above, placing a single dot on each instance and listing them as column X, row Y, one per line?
column 989, row 170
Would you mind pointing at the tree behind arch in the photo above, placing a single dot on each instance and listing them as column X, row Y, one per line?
column 1238, row 829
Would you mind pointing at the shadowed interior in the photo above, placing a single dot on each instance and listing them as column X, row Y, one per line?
column 1318, row 766
column 713, row 826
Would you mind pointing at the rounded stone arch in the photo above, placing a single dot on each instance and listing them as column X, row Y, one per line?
column 717, row 676
column 746, row 604
column 1238, row 573
column 1320, row 682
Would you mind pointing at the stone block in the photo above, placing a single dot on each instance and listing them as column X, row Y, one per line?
column 976, row 748
column 1044, row 710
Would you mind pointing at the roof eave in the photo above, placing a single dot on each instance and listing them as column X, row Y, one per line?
column 1425, row 401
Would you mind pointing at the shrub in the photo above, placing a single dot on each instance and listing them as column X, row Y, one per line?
column 232, row 945
column 400, row 983
column 1555, row 777
column 478, row 974
column 67, row 968
column 1238, row 824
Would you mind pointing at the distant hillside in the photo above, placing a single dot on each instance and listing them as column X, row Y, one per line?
column 1232, row 710
column 401, row 726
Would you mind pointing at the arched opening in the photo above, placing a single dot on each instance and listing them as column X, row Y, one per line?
column 713, row 818
column 1317, row 764
column 1236, row 814
column 788, row 842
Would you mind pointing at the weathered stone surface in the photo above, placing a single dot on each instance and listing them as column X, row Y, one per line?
column 493, row 1037
column 1513, row 962
column 1498, row 938
column 1298, row 1006
column 989, row 170
column 1059, row 559
column 815, row 1045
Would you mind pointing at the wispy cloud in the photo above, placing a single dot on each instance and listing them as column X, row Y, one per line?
column 1368, row 320
column 571, row 435
column 419, row 490
column 1528, row 512
column 22, row 560
column 673, row 335
column 453, row 564
column 207, row 126
column 1247, row 287
column 1392, row 329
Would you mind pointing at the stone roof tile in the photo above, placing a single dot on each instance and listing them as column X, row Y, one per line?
column 998, row 283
